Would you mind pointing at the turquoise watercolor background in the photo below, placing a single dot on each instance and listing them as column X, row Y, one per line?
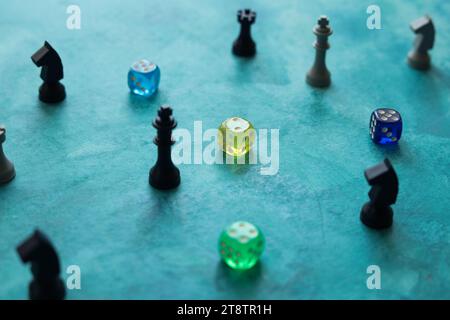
column 82, row 167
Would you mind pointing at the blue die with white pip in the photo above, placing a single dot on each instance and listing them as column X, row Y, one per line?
column 386, row 126
column 143, row 78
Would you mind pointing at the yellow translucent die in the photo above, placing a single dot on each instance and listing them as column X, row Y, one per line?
column 236, row 136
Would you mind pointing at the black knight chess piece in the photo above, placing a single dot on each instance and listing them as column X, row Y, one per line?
column 418, row 57
column 377, row 213
column 51, row 91
column 45, row 267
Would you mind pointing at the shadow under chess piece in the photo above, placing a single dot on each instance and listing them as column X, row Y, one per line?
column 7, row 171
column 418, row 57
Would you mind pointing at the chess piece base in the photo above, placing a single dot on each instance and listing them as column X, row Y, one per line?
column 246, row 51
column 164, row 179
column 51, row 291
column 419, row 61
column 8, row 173
column 376, row 218
column 52, row 93
column 322, row 80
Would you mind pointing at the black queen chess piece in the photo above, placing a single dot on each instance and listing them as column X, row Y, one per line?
column 318, row 75
column 7, row 171
column 164, row 175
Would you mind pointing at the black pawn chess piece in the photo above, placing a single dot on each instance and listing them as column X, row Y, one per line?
column 7, row 172
column 319, row 76
column 377, row 213
column 45, row 267
column 244, row 46
column 51, row 91
column 418, row 57
column 164, row 174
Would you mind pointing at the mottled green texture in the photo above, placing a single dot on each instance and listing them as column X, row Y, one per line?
column 82, row 167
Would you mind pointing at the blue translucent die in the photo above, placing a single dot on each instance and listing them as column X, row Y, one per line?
column 143, row 78
column 386, row 126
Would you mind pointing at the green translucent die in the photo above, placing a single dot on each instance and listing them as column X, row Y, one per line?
column 236, row 136
column 241, row 245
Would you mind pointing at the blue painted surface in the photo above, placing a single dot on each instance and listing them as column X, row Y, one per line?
column 82, row 167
